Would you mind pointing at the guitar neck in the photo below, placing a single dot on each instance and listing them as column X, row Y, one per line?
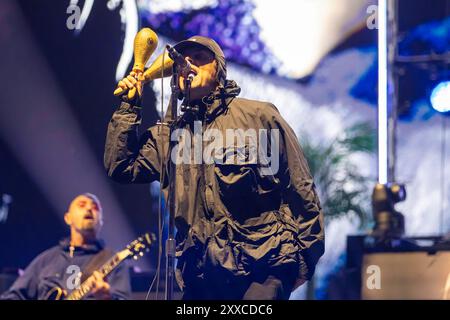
column 104, row 270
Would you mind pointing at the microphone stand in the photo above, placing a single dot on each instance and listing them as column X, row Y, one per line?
column 171, row 199
column 170, row 242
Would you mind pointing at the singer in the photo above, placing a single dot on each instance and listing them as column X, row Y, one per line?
column 246, row 229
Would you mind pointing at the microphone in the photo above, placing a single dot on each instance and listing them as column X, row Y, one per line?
column 158, row 69
column 185, row 66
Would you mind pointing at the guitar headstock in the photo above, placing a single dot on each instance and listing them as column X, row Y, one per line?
column 141, row 245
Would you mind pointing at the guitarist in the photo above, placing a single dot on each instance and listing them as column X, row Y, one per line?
column 83, row 251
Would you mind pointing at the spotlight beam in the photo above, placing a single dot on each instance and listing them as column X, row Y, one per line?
column 37, row 123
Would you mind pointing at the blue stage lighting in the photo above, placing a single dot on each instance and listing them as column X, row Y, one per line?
column 440, row 97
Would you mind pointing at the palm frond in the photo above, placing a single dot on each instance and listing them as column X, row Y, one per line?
column 343, row 190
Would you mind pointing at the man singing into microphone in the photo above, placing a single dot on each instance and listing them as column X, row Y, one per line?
column 246, row 229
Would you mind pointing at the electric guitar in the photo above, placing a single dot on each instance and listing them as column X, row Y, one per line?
column 134, row 250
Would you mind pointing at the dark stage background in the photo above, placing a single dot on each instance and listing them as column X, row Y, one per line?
column 84, row 66
column 317, row 64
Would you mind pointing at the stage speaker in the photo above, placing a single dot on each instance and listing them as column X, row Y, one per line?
column 406, row 276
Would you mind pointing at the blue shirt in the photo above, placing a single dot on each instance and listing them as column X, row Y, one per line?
column 51, row 269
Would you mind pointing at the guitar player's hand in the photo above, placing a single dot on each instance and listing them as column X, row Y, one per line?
column 101, row 289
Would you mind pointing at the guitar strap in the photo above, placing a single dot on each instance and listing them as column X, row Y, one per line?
column 96, row 262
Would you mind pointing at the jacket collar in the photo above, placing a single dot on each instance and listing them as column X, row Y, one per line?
column 218, row 100
column 88, row 248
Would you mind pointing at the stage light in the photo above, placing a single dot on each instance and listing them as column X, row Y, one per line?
column 389, row 223
column 440, row 97
column 382, row 92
